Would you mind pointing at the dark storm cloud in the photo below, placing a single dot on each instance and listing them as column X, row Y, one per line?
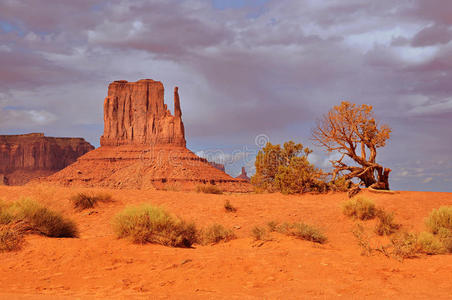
column 243, row 69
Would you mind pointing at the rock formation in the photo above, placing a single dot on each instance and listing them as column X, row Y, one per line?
column 27, row 156
column 143, row 146
column 217, row 166
column 135, row 114
column 243, row 176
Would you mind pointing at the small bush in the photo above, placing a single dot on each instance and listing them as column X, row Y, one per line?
column 6, row 215
column 439, row 218
column 150, row 224
column 259, row 233
column 445, row 236
column 360, row 208
column 272, row 226
column 217, row 233
column 386, row 224
column 42, row 220
column 228, row 207
column 405, row 245
column 83, row 201
column 10, row 239
column 209, row 189
column 430, row 244
column 302, row 231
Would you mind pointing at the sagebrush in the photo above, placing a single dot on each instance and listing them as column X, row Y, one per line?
column 86, row 200
column 360, row 208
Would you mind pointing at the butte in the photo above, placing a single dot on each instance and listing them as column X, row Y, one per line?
column 143, row 146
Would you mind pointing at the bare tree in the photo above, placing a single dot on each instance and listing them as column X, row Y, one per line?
column 348, row 129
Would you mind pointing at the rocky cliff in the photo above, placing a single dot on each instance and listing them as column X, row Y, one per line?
column 243, row 175
column 24, row 157
column 135, row 114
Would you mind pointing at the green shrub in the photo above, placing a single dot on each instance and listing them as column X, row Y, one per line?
column 217, row 233
column 386, row 224
column 430, row 244
column 209, row 189
column 151, row 224
column 228, row 207
column 10, row 238
column 360, row 208
column 42, row 220
column 259, row 233
column 439, row 218
column 83, row 201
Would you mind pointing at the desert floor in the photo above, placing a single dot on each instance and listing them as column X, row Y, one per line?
column 98, row 265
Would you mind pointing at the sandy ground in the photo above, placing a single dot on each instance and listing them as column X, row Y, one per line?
column 97, row 265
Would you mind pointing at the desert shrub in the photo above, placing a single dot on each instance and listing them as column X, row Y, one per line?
column 83, row 201
column 228, row 207
column 360, row 208
column 445, row 236
column 341, row 184
column 259, row 233
column 385, row 224
column 439, row 218
column 272, row 226
column 430, row 244
column 10, row 238
column 6, row 215
column 42, row 220
column 287, row 169
column 405, row 245
column 216, row 233
column 209, row 189
column 303, row 231
column 151, row 224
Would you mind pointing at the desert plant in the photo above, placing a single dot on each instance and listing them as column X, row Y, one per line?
column 216, row 233
column 360, row 208
column 385, row 224
column 302, row 231
column 209, row 189
column 272, row 226
column 430, row 244
column 259, row 233
column 151, row 224
column 10, row 238
column 405, row 245
column 439, row 218
column 40, row 219
column 6, row 215
column 445, row 236
column 228, row 207
column 85, row 200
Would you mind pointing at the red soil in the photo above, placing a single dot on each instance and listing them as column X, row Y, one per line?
column 97, row 265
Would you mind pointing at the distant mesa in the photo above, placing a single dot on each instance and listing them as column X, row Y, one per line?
column 243, row 175
column 143, row 146
column 28, row 156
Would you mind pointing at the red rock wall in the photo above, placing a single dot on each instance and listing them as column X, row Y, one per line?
column 35, row 153
column 135, row 114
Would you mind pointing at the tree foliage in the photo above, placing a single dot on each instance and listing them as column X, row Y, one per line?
column 286, row 169
column 352, row 131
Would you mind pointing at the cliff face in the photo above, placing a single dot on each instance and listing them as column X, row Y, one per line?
column 23, row 157
column 135, row 114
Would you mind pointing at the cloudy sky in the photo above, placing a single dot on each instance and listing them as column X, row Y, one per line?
column 244, row 68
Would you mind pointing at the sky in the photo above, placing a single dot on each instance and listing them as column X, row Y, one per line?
column 247, row 71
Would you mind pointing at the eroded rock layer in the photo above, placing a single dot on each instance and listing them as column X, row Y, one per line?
column 27, row 156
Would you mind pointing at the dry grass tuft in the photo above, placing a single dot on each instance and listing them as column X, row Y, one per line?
column 439, row 218
column 260, row 234
column 209, row 189
column 386, row 224
column 360, row 208
column 85, row 200
column 11, row 239
column 228, row 207
column 303, row 231
column 216, row 233
column 151, row 224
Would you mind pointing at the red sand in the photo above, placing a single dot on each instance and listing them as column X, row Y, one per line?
column 97, row 265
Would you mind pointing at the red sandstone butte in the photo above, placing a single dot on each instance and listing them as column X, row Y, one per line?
column 243, row 175
column 28, row 156
column 143, row 146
